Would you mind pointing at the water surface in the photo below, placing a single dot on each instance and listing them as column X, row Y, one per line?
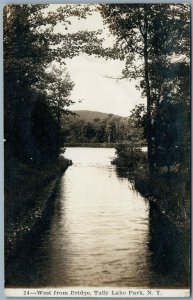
column 101, row 224
column 100, row 233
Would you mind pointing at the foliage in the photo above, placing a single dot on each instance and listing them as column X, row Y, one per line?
column 111, row 129
column 46, row 133
column 159, row 55
column 171, row 114
column 31, row 48
column 130, row 158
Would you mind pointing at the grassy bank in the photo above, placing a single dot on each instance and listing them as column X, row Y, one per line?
column 27, row 190
column 169, row 190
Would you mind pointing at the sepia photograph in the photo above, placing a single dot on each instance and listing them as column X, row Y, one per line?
column 97, row 117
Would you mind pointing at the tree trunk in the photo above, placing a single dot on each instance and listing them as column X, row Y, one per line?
column 149, row 102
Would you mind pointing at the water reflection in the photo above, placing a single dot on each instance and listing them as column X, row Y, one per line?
column 101, row 233
column 169, row 245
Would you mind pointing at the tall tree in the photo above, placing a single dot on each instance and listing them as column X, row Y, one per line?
column 144, row 33
column 30, row 45
column 22, row 65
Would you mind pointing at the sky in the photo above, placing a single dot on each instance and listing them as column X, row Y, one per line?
column 99, row 92
column 93, row 86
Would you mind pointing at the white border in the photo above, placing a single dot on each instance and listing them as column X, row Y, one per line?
column 19, row 293
column 97, row 292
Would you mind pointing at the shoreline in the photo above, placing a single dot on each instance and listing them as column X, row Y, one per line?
column 100, row 145
column 33, row 219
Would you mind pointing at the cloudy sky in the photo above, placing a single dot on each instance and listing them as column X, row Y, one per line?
column 90, row 75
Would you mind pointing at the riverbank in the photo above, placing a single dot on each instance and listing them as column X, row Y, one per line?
column 169, row 190
column 169, row 199
column 91, row 145
column 28, row 192
column 98, row 145
column 171, row 193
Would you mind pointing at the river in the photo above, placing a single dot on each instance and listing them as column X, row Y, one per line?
column 99, row 234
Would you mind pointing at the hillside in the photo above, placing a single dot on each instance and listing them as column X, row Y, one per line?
column 99, row 128
column 90, row 116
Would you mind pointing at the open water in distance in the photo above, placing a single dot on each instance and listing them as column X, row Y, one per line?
column 100, row 233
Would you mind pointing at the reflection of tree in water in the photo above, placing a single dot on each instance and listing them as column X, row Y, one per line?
column 169, row 261
column 25, row 267
column 168, row 244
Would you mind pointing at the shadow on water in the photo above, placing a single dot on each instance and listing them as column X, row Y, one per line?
column 169, row 245
column 24, row 268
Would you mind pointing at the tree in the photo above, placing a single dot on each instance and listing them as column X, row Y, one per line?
column 30, row 46
column 46, row 133
column 57, row 87
column 89, row 131
column 171, row 128
column 22, row 66
column 144, row 44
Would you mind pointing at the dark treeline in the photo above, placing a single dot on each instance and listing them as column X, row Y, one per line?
column 111, row 129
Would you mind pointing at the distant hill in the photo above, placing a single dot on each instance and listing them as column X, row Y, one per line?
column 91, row 116
column 95, row 128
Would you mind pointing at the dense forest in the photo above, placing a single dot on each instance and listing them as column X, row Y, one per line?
column 154, row 42
column 96, row 127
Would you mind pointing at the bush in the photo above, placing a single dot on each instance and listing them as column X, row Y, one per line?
column 129, row 157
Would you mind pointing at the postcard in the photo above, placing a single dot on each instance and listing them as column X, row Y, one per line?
column 97, row 150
